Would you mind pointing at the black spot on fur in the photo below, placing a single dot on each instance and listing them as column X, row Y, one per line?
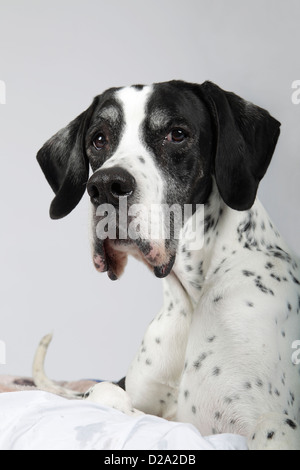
column 209, row 222
column 274, row 276
column 197, row 364
column 228, row 400
column 296, row 281
column 138, row 87
column 277, row 252
column 291, row 424
column 248, row 273
column 211, row 339
column 262, row 287
column 216, row 371
column 200, row 268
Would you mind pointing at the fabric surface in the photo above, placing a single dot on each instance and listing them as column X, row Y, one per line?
column 36, row 420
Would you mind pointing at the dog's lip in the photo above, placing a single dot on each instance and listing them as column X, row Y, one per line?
column 165, row 269
column 107, row 253
column 150, row 254
column 105, row 259
column 100, row 258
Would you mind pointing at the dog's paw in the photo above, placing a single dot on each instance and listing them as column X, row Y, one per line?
column 275, row 432
column 109, row 394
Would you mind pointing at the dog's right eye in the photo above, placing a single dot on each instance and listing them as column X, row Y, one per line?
column 176, row 136
column 99, row 141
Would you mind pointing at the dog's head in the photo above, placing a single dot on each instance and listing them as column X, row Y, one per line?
column 152, row 147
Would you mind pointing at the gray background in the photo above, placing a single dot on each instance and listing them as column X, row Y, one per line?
column 55, row 56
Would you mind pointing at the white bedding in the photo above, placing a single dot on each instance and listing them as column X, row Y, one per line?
column 35, row 420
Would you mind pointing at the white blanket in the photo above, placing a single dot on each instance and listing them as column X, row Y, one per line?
column 35, row 420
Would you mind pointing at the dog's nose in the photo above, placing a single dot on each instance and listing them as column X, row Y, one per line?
column 107, row 186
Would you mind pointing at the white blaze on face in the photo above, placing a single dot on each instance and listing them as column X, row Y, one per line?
column 133, row 155
column 144, row 210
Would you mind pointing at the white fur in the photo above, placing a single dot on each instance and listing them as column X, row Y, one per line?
column 150, row 184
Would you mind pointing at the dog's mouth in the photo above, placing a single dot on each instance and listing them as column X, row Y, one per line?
column 111, row 256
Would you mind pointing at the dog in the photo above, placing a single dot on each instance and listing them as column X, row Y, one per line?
column 218, row 354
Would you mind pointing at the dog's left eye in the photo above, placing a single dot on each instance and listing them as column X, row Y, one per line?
column 176, row 135
column 99, row 141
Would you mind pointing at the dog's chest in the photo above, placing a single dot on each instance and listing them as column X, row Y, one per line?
column 245, row 297
column 221, row 344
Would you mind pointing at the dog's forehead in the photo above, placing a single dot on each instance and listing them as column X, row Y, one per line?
column 172, row 100
column 133, row 101
column 127, row 104
column 158, row 103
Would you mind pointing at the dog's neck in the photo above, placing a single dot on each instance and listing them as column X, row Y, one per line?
column 194, row 257
column 225, row 233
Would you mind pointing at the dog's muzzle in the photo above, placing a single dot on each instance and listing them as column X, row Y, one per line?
column 109, row 188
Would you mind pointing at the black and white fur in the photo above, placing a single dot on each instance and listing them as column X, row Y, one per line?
column 218, row 354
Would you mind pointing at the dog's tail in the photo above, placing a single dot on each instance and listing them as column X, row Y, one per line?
column 40, row 378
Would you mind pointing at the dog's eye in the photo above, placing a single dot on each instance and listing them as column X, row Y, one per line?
column 99, row 141
column 176, row 135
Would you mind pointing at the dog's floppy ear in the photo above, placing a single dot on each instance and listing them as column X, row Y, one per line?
column 245, row 140
column 65, row 165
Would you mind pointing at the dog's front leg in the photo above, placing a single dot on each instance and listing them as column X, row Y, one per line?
column 154, row 375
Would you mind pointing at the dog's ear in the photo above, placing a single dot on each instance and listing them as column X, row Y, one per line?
column 245, row 140
column 65, row 165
